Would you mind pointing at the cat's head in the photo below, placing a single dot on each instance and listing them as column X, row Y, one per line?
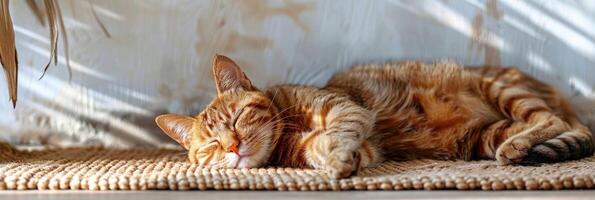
column 238, row 129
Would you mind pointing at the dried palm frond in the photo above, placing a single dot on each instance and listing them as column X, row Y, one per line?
column 54, row 15
column 101, row 25
column 64, row 41
column 8, row 51
column 8, row 54
column 50, row 7
column 37, row 11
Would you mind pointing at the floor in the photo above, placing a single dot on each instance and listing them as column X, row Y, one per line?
column 228, row 195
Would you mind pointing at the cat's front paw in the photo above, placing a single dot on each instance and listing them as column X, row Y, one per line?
column 342, row 164
column 513, row 150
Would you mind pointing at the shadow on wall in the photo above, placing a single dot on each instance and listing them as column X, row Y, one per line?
column 158, row 57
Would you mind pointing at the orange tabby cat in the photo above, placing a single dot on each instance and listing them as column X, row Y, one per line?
column 374, row 112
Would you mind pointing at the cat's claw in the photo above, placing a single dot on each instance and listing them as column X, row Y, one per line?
column 342, row 164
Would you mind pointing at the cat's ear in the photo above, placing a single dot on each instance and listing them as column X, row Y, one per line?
column 178, row 127
column 228, row 75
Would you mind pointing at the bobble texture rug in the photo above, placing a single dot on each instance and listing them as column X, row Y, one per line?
column 160, row 169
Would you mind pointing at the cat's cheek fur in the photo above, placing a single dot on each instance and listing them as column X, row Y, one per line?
column 259, row 158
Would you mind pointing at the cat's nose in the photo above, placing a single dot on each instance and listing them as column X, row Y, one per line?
column 233, row 148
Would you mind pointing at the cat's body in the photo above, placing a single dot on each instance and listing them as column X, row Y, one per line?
column 376, row 112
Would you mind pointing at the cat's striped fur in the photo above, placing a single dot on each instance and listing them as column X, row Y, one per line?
column 373, row 112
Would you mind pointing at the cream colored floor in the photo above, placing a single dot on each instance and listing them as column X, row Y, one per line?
column 229, row 195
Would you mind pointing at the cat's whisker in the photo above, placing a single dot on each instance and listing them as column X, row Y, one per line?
column 285, row 110
column 272, row 99
column 282, row 112
column 273, row 119
column 280, row 120
column 257, row 133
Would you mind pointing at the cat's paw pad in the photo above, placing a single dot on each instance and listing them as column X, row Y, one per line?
column 342, row 164
column 513, row 151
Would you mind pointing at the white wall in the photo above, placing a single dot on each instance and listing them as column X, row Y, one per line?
column 159, row 54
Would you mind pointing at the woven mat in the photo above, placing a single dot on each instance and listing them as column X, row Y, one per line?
column 145, row 169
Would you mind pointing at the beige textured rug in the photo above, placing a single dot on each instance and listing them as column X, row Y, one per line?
column 143, row 169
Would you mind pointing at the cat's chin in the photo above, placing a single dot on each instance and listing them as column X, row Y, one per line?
column 239, row 162
column 244, row 162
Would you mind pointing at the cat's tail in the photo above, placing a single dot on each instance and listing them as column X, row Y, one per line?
column 571, row 145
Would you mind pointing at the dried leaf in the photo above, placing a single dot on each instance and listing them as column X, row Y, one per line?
column 8, row 52
column 38, row 12
column 51, row 13
column 101, row 25
column 64, row 40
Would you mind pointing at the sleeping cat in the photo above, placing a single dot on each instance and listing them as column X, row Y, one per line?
column 374, row 112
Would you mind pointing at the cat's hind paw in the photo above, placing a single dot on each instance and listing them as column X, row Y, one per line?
column 513, row 151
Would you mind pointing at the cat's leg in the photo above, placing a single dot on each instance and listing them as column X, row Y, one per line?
column 572, row 144
column 534, row 131
column 497, row 133
column 340, row 147
column 369, row 154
